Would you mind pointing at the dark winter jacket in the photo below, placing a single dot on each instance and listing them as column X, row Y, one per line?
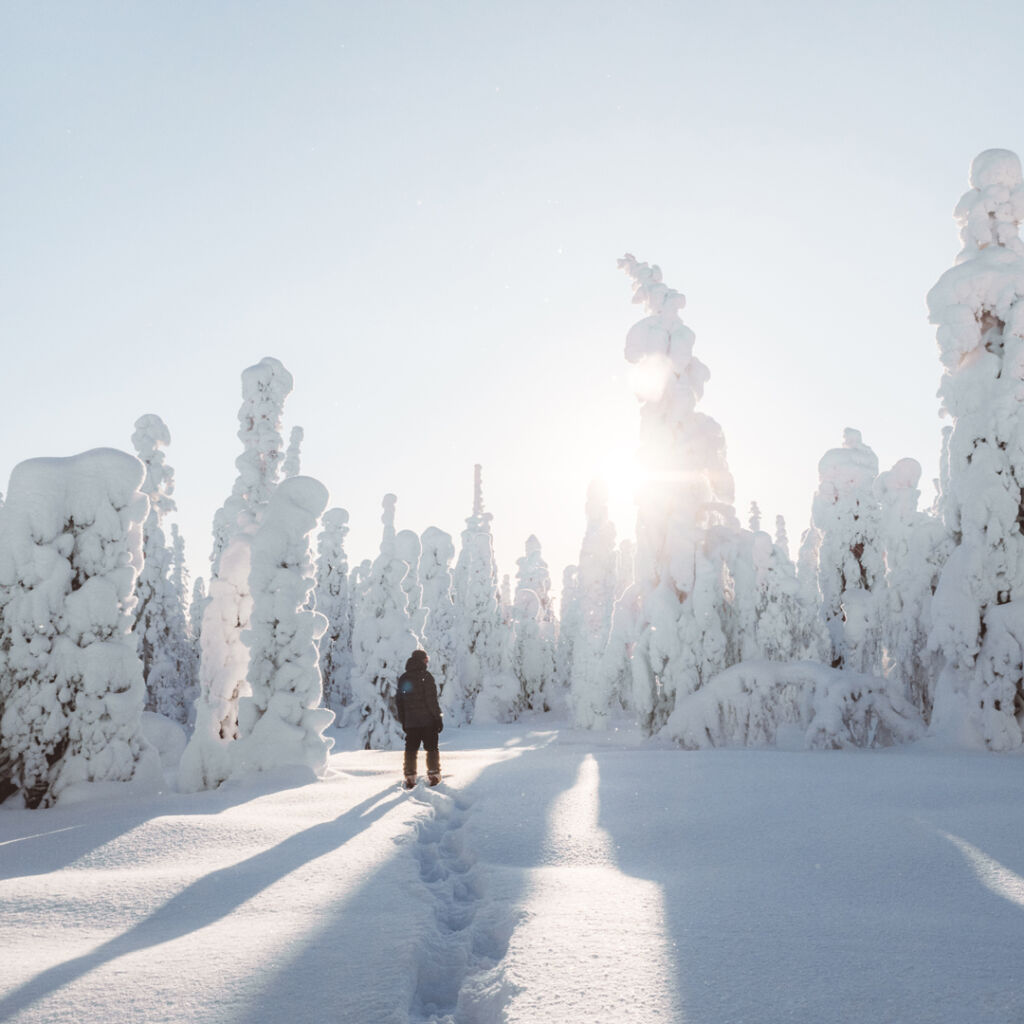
column 417, row 700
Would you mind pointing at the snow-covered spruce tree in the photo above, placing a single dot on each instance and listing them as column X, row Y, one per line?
column 71, row 687
column 532, row 660
column 817, row 642
column 169, row 664
column 505, row 599
column 358, row 583
column 534, row 630
column 292, row 464
column 978, row 305
column 570, row 623
column 787, row 629
column 408, row 549
column 440, row 631
column 483, row 635
column 195, row 612
column 616, row 660
column 179, row 574
column 591, row 690
column 281, row 721
column 915, row 548
column 782, row 537
column 333, row 601
column 224, row 659
column 755, row 518
column 741, row 550
column 688, row 492
column 265, row 387
column 625, row 575
column 532, row 574
column 851, row 567
column 382, row 641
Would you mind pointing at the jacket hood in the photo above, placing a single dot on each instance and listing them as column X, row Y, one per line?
column 417, row 661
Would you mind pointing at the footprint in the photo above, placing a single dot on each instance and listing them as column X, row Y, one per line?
column 459, row 976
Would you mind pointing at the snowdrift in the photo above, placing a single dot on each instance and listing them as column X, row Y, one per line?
column 763, row 704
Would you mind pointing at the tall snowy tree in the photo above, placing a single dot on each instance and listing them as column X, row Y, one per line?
column 195, row 612
column 408, row 549
column 570, row 625
column 915, row 548
column 531, row 659
column 179, row 574
column 71, row 687
column 787, row 627
column 978, row 305
column 440, row 631
column 819, row 642
column 483, row 636
column 169, row 664
column 755, row 517
column 625, row 575
column 292, row 464
column 591, row 689
column 382, row 641
column 334, row 601
column 743, row 552
column 851, row 567
column 532, row 574
column 281, row 720
column 224, row 659
column 534, row 629
column 265, row 386
column 688, row 492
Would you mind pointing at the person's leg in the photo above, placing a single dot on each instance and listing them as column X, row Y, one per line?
column 433, row 756
column 413, row 738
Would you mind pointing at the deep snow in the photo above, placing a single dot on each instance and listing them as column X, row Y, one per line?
column 554, row 876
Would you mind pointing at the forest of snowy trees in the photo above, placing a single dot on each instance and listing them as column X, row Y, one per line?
column 886, row 623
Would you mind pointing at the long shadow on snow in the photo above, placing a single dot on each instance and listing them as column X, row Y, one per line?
column 38, row 842
column 207, row 900
column 802, row 887
column 342, row 955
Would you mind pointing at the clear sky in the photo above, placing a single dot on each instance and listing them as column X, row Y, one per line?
column 417, row 206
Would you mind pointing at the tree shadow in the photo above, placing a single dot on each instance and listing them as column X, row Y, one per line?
column 357, row 943
column 798, row 887
column 209, row 899
column 42, row 841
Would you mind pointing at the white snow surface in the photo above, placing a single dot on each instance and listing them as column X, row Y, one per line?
column 553, row 876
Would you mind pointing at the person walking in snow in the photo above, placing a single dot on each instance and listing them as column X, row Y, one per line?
column 420, row 717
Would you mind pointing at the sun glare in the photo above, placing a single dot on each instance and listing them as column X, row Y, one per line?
column 621, row 474
column 649, row 376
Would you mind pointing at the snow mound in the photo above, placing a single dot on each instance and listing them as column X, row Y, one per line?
column 760, row 703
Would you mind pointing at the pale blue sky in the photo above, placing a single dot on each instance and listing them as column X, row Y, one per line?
column 417, row 207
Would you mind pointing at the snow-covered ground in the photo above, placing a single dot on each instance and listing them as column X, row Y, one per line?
column 554, row 876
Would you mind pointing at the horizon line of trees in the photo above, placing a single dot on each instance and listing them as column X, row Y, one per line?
column 891, row 623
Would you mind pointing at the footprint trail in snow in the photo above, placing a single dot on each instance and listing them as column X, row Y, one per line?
column 460, row 974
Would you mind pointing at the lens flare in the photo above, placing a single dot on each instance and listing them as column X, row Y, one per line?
column 648, row 377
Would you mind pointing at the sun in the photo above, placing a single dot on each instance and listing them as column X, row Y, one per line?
column 622, row 475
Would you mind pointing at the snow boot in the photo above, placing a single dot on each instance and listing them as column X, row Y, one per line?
column 433, row 767
column 409, row 768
